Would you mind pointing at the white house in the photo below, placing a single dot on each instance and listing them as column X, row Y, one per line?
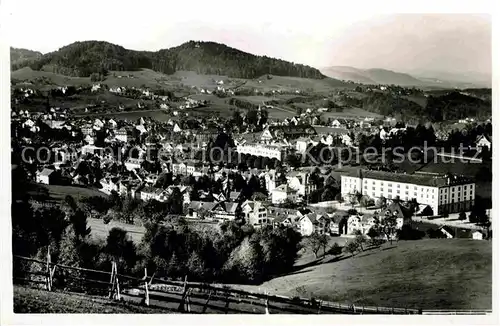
column 45, row 176
column 301, row 145
column 133, row 163
column 283, row 193
column 314, row 223
column 483, row 141
column 255, row 213
column 299, row 181
column 478, row 235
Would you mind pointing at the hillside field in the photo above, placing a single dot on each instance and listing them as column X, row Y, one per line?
column 426, row 274
column 27, row 300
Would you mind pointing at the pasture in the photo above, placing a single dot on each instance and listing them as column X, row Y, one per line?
column 427, row 274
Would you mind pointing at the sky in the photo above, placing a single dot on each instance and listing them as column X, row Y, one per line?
column 318, row 33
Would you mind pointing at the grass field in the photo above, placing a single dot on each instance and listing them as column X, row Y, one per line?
column 426, row 274
column 27, row 300
column 58, row 193
column 99, row 230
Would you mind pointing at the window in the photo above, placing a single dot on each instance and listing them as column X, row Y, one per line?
column 406, row 193
column 452, row 189
column 397, row 192
column 373, row 188
column 471, row 192
column 407, row 186
column 399, row 185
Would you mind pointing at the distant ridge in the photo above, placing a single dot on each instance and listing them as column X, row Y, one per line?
column 389, row 77
column 81, row 59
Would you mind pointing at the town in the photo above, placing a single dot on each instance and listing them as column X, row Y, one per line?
column 203, row 178
column 265, row 179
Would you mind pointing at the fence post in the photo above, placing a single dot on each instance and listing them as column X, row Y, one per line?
column 226, row 308
column 118, row 297
column 47, row 279
column 112, row 280
column 188, row 302
column 206, row 303
column 183, row 300
column 267, row 304
column 146, row 287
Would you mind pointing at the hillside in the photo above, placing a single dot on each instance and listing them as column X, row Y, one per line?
column 371, row 76
column 22, row 56
column 27, row 300
column 81, row 59
column 427, row 274
column 348, row 74
column 383, row 76
column 388, row 77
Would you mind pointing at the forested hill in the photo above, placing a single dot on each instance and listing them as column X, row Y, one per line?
column 20, row 56
column 84, row 58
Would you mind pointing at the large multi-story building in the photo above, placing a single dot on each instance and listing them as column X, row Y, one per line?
column 269, row 151
column 443, row 194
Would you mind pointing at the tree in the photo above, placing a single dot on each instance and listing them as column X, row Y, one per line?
column 462, row 216
column 316, row 241
column 359, row 239
column 382, row 202
column 388, row 226
column 351, row 247
column 120, row 248
column 373, row 233
column 335, row 249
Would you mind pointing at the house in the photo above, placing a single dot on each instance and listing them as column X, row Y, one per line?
column 150, row 193
column 301, row 144
column 338, row 224
column 46, row 176
column 235, row 196
column 483, row 141
column 124, row 134
column 447, row 231
column 112, row 124
column 478, row 235
column 133, row 163
column 314, row 223
column 200, row 209
column 337, row 124
column 109, row 184
column 255, row 213
column 225, row 210
column 402, row 214
column 283, row 193
column 361, row 223
column 300, row 182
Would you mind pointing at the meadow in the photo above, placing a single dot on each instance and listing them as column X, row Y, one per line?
column 426, row 274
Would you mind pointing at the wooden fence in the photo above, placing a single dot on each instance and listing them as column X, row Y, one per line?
column 188, row 297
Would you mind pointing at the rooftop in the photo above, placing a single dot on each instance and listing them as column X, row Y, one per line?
column 418, row 179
